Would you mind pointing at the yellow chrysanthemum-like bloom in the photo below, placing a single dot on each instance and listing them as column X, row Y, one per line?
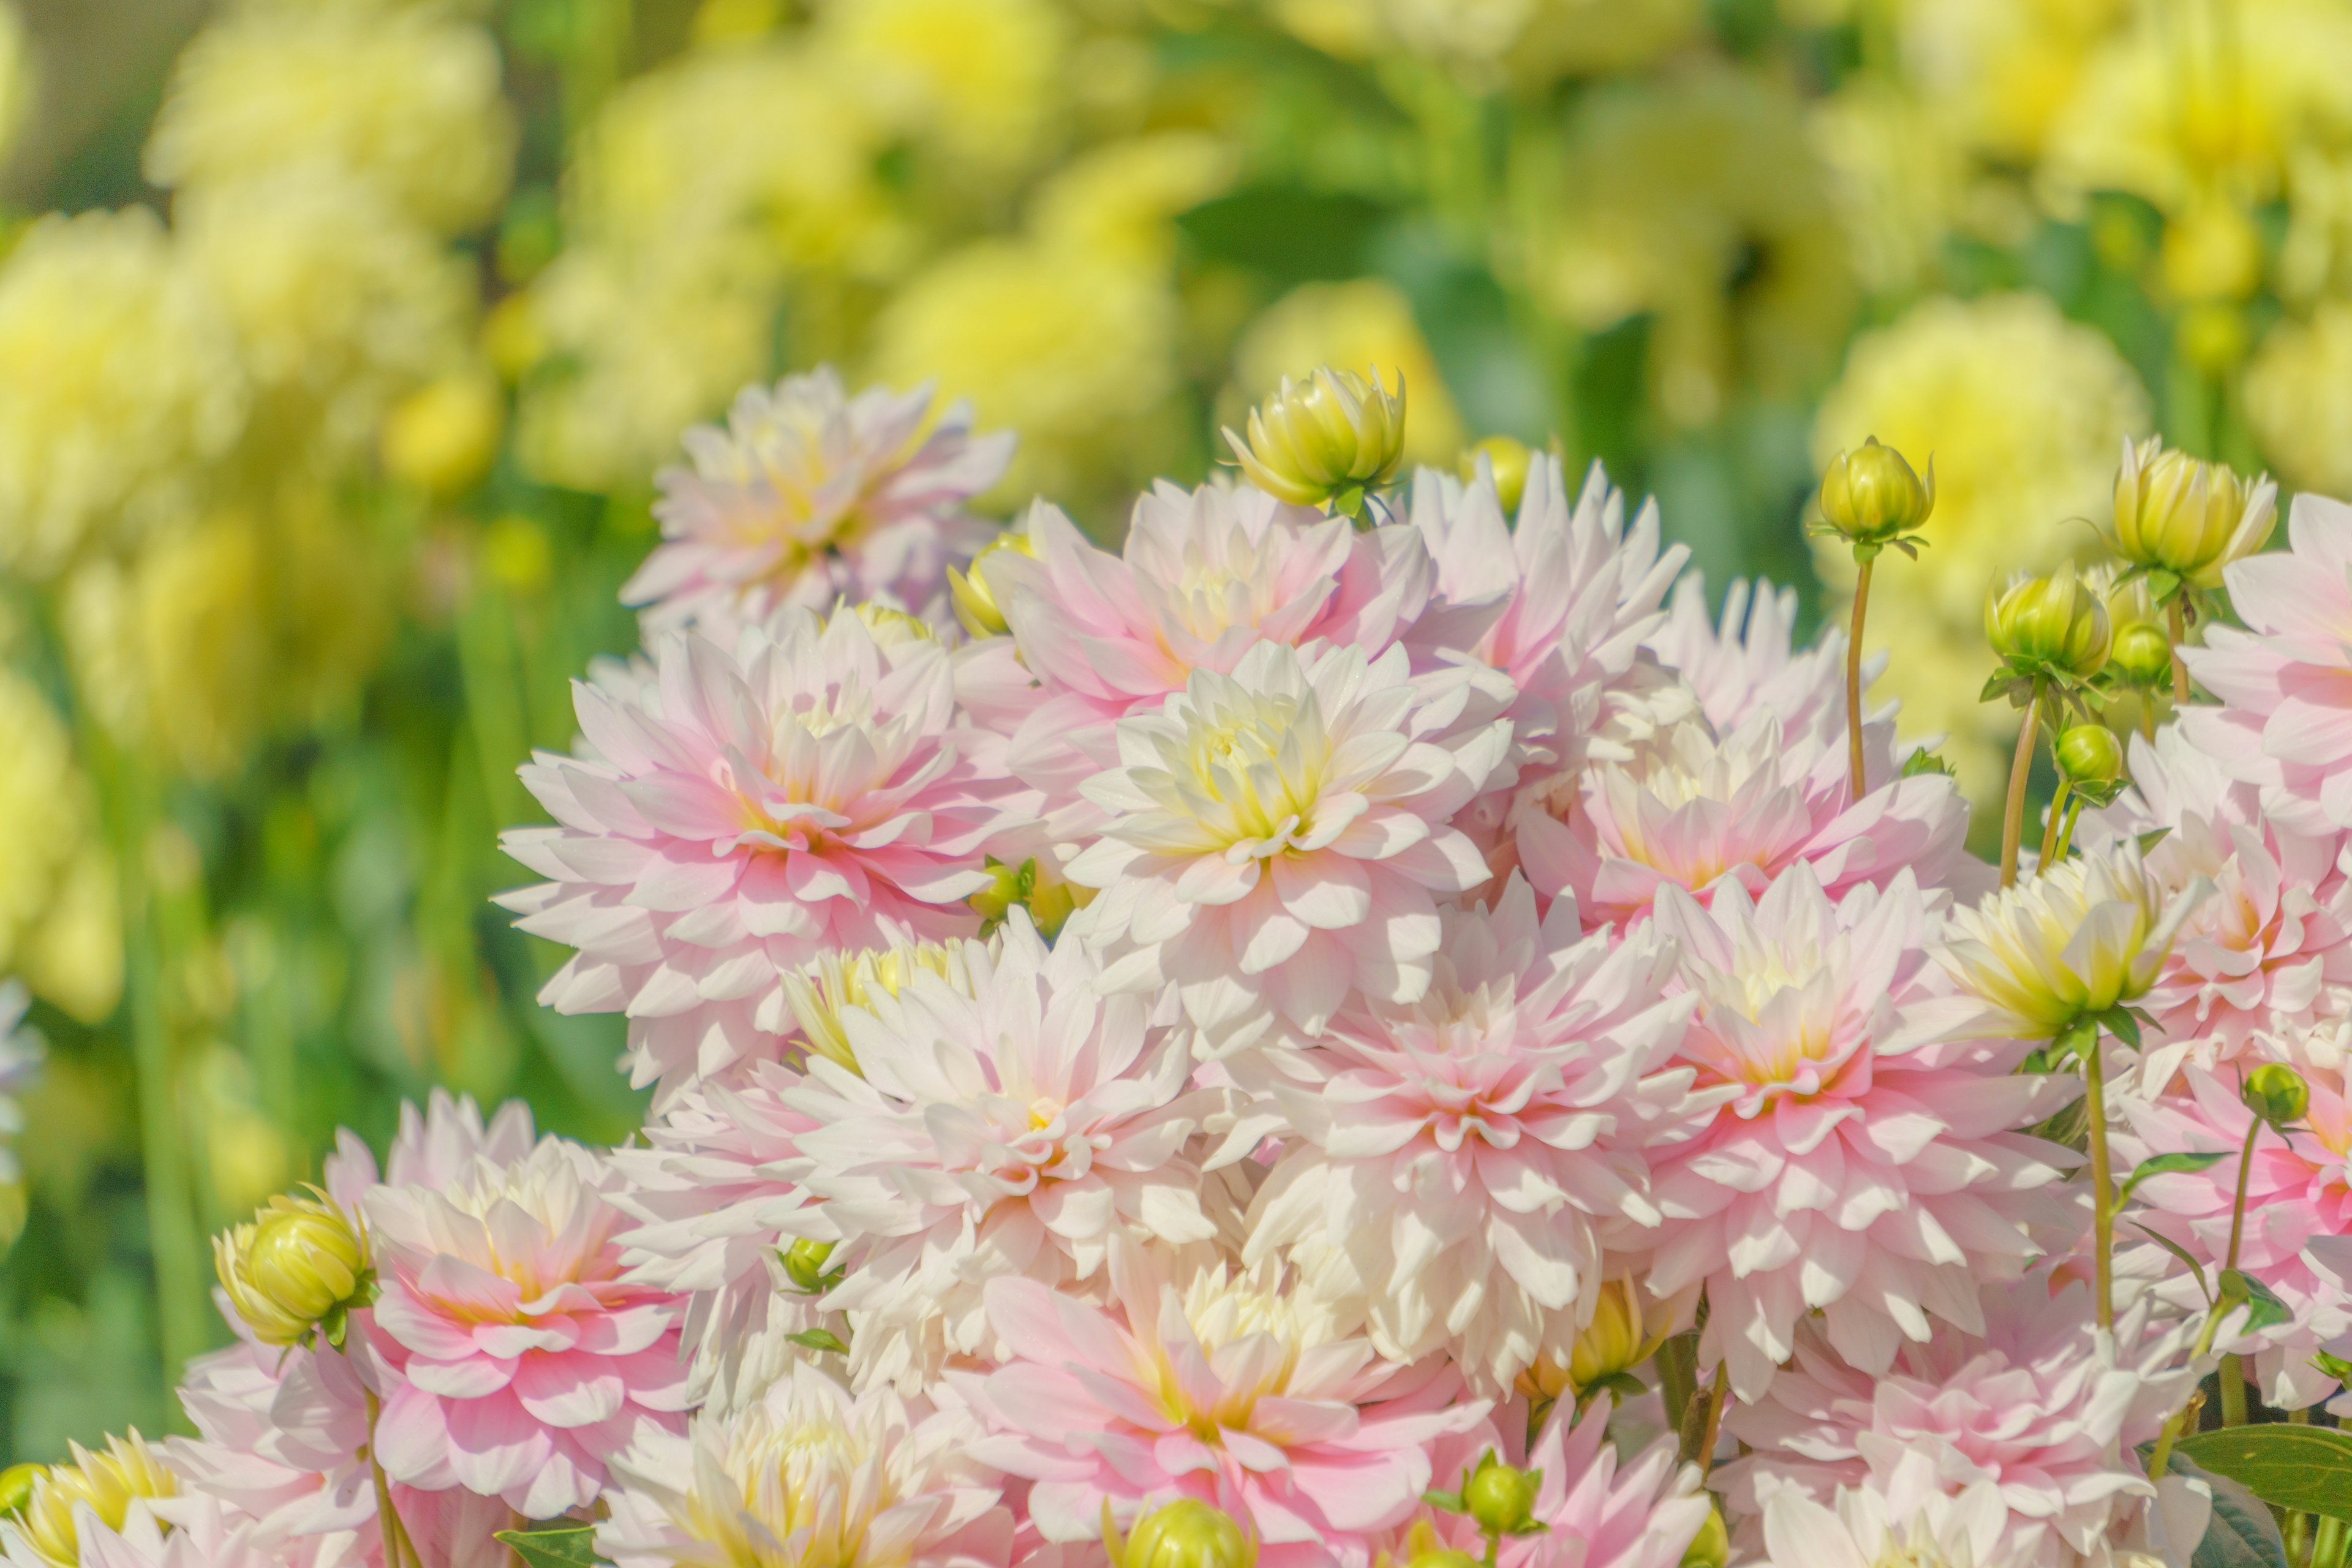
column 299, row 1264
column 978, row 81
column 1116, row 201
column 109, row 1480
column 819, row 992
column 2299, row 399
column 1336, row 434
column 60, row 925
column 1364, row 322
column 118, row 378
column 1186, row 1533
column 2071, row 942
column 2187, row 517
column 408, row 100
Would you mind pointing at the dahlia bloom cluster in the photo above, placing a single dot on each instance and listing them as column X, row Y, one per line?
column 1312, row 1038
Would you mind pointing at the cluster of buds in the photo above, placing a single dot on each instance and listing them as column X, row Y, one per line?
column 1327, row 443
column 295, row 1271
column 1873, row 499
column 2180, row 521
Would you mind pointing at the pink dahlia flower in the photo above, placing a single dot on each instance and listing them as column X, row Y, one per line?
column 1602, row 1513
column 517, row 1358
column 1012, row 1131
column 1237, row 1389
column 1703, row 813
column 1749, row 664
column 1205, row 576
column 2037, row 1405
column 2286, row 681
column 192, row 1530
column 809, row 1474
column 811, row 792
column 2298, row 1193
column 1859, row 1168
column 1463, row 1151
column 2272, row 950
column 808, row 495
column 1913, row 1523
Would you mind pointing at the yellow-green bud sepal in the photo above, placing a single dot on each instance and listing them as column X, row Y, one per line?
column 804, row 1266
column 2050, row 634
column 2276, row 1092
column 2091, row 760
column 1328, row 442
column 1874, row 499
column 1186, row 1533
column 1497, row 1497
column 296, row 1271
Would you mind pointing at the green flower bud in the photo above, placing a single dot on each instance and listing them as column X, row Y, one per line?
column 2276, row 1093
column 2142, row 655
column 976, row 601
column 2052, row 626
column 2175, row 514
column 1872, row 495
column 805, row 1264
column 1335, row 436
column 1499, row 1497
column 1186, row 1533
column 1711, row 1547
column 1509, row 461
column 296, row 1263
column 2090, row 754
column 17, row 1486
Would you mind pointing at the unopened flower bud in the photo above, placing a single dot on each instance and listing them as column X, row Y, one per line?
column 1501, row 1497
column 1335, row 436
column 2090, row 754
column 974, row 599
column 805, row 1264
column 1186, row 1533
column 1871, row 496
column 16, row 1487
column 296, row 1264
column 108, row 1481
column 1711, row 1547
column 2052, row 626
column 892, row 627
column 2276, row 1093
column 2177, row 514
column 1617, row 1339
column 1509, row 461
column 2142, row 655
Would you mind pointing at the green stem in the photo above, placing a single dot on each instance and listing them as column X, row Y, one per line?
column 2103, row 1193
column 397, row 1547
column 2050, row 824
column 2179, row 626
column 1713, row 1432
column 2328, row 1545
column 2233, row 1371
column 1678, row 1373
column 2013, row 822
column 1854, row 671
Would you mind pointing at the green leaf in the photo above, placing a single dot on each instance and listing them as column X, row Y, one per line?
column 2196, row 1269
column 559, row 1546
column 2119, row 1022
column 2167, row 1164
column 2152, row 837
column 1289, row 232
column 1924, row 760
column 819, row 1340
column 2075, row 1039
column 2334, row 1366
column 2305, row 1468
column 1446, row 1502
column 2264, row 1310
column 2242, row 1533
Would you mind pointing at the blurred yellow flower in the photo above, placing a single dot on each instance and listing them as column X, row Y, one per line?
column 1355, row 324
column 2000, row 73
column 16, row 78
column 1896, row 175
column 1116, row 201
column 1074, row 351
column 2023, row 413
column 980, row 81
column 444, row 437
column 117, row 377
column 60, row 925
column 399, row 97
column 1532, row 41
column 2298, row 393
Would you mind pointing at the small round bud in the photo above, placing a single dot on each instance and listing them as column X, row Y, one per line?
column 2052, row 626
column 1508, row 460
column 1711, row 1547
column 805, row 1264
column 1337, row 435
column 1872, row 495
column 2142, row 655
column 975, row 602
column 2090, row 754
column 893, row 628
column 444, row 437
column 2276, row 1093
column 299, row 1262
column 2187, row 517
column 1186, row 1533
column 17, row 1486
column 1500, row 1497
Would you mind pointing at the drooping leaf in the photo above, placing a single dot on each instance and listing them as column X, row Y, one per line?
column 2196, row 1269
column 2242, row 1533
column 2120, row 1023
column 819, row 1340
column 2306, row 1468
column 559, row 1546
column 2263, row 1309
column 2167, row 1164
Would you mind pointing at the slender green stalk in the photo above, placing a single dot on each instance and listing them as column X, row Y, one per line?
column 1854, row 675
column 2233, row 1372
column 1713, row 1432
column 2180, row 666
column 2328, row 1545
column 2013, row 822
column 1678, row 1373
column 2103, row 1191
column 2050, row 823
column 398, row 1549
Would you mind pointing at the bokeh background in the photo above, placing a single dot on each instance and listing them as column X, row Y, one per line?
column 339, row 342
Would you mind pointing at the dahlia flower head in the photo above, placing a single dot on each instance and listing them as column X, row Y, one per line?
column 1857, row 1162
column 810, row 1474
column 2298, row 1205
column 1915, row 1522
column 2272, row 950
column 1748, row 663
column 2285, row 722
column 1602, row 1510
column 1452, row 1164
column 1280, row 838
column 515, row 1357
column 1010, row 1129
column 809, row 494
column 811, row 790
column 1701, row 812
column 1236, row 1387
column 2035, row 1404
column 1205, row 576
